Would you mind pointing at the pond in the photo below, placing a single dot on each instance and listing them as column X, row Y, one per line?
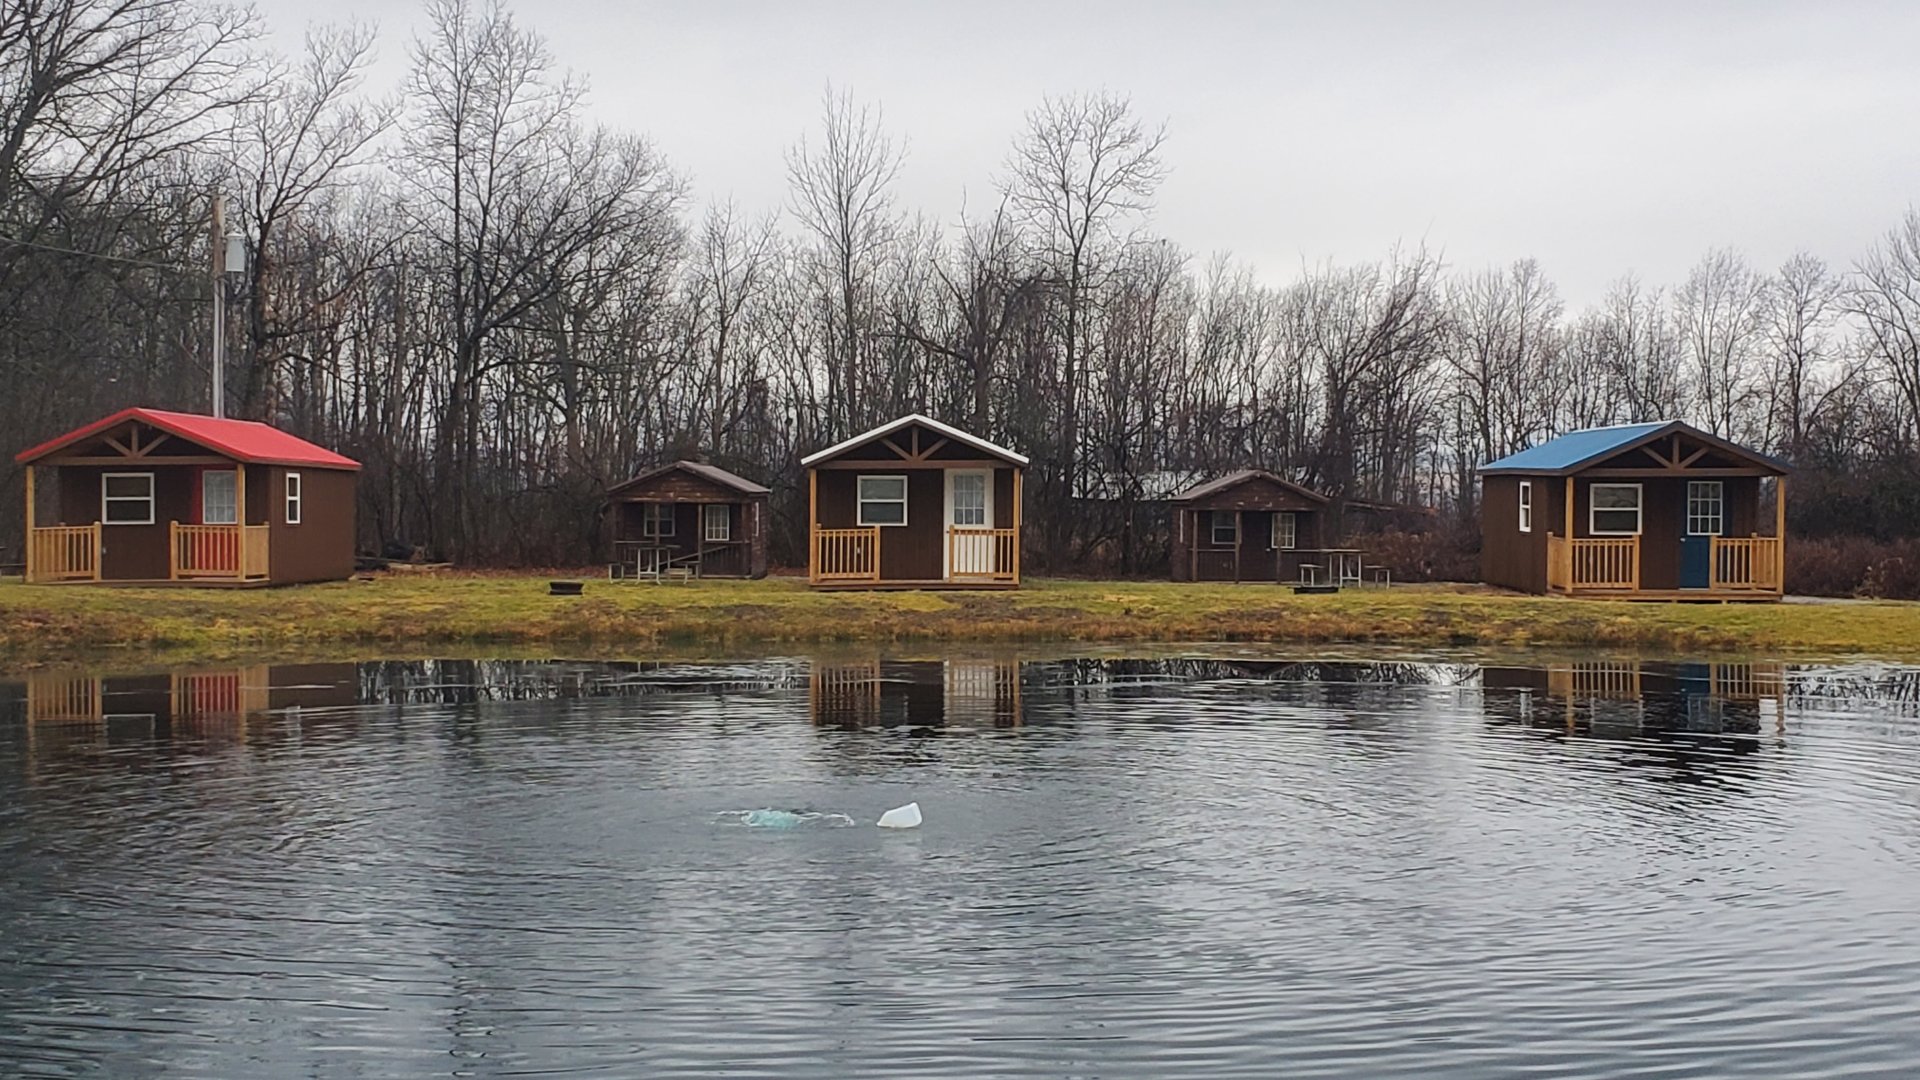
column 1210, row 865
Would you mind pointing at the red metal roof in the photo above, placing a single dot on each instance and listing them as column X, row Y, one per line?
column 246, row 441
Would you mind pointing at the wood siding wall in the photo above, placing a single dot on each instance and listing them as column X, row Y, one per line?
column 1510, row 558
column 129, row 552
column 320, row 548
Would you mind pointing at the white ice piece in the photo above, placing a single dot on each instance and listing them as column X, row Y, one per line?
column 901, row 817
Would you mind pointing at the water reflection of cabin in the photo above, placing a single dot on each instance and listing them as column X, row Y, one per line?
column 922, row 693
column 689, row 514
column 163, row 497
column 1639, row 511
column 914, row 503
column 1716, row 696
column 1249, row 525
column 137, row 705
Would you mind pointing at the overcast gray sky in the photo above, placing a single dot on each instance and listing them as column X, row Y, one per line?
column 1598, row 137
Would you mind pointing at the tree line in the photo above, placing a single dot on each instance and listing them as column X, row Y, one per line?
column 503, row 307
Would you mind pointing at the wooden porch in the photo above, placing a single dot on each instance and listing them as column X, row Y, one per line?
column 1739, row 568
column 198, row 555
column 976, row 558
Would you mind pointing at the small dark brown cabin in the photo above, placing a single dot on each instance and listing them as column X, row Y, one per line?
column 914, row 503
column 177, row 498
column 1249, row 525
column 1656, row 511
column 690, row 515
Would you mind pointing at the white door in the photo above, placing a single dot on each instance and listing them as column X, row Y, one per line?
column 969, row 519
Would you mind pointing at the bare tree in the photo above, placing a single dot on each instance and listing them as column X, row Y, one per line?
column 1083, row 166
column 1802, row 303
column 1721, row 309
column 842, row 193
column 1501, row 345
column 511, row 191
column 1885, row 299
column 297, row 145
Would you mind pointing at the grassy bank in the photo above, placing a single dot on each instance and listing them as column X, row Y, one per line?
column 40, row 624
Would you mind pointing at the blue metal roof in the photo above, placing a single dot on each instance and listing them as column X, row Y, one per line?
column 1575, row 448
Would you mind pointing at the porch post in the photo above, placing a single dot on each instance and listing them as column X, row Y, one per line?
column 1779, row 532
column 813, row 525
column 1238, row 536
column 1017, row 471
column 1569, row 509
column 29, row 570
column 1193, row 546
column 240, row 515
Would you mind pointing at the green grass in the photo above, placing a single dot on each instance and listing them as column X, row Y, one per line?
column 406, row 613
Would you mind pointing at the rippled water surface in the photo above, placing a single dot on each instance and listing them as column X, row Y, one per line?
column 1150, row 868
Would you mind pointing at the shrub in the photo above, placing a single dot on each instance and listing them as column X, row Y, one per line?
column 1447, row 553
column 1854, row 566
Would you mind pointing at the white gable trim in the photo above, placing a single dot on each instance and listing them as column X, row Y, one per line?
column 886, row 429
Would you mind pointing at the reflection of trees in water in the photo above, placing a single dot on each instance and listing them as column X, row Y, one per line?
column 1881, row 690
column 467, row 682
column 1175, row 670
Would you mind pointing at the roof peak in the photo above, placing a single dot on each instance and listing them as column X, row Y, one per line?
column 891, row 426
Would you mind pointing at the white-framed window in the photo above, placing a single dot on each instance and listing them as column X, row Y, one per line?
column 1613, row 509
column 656, row 520
column 293, row 498
column 126, row 498
column 1226, row 531
column 969, row 499
column 716, row 522
column 219, row 503
column 1286, row 530
column 1526, row 506
column 883, row 500
column 1706, row 506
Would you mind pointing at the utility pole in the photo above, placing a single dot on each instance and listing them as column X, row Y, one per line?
column 217, row 252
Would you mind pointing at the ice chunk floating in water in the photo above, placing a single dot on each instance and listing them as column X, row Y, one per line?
column 901, row 817
column 770, row 818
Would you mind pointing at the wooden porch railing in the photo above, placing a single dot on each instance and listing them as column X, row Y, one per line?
column 1747, row 562
column 846, row 554
column 64, row 553
column 1593, row 563
column 983, row 554
column 217, row 551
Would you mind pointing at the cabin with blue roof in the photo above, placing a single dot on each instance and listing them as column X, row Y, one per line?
column 1654, row 511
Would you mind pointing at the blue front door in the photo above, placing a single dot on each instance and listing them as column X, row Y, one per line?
column 1706, row 517
column 1696, row 553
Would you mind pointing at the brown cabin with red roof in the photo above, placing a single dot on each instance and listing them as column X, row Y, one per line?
column 177, row 498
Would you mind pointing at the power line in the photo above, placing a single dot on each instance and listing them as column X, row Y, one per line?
column 92, row 254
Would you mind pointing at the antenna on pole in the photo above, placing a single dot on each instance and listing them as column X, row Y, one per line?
column 228, row 254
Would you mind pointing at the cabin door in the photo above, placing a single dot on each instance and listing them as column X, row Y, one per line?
column 1706, row 517
column 969, row 521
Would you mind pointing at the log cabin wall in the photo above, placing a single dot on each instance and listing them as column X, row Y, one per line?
column 686, row 492
column 1195, row 556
